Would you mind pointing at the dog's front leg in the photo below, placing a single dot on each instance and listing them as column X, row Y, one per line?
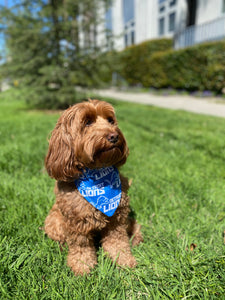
column 82, row 254
column 115, row 242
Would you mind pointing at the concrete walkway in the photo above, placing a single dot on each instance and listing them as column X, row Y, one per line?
column 206, row 106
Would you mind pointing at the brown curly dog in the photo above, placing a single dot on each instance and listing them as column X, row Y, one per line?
column 85, row 150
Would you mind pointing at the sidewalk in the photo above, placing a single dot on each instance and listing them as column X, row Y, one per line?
column 206, row 106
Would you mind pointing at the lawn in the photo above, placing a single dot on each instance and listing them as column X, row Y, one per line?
column 178, row 193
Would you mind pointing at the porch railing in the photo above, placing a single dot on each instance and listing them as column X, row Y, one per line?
column 196, row 34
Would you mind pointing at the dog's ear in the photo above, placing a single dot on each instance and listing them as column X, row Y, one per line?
column 60, row 161
column 124, row 157
column 125, row 151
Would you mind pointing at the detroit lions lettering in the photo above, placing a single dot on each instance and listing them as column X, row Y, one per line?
column 101, row 188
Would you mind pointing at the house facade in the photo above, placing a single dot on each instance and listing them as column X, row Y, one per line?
column 205, row 21
column 187, row 21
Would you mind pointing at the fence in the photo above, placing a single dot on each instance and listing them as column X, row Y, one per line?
column 211, row 31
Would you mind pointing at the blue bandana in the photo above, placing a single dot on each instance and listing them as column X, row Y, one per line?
column 101, row 188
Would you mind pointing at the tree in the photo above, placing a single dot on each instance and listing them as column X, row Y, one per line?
column 47, row 51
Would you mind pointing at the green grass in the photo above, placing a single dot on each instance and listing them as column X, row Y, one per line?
column 177, row 163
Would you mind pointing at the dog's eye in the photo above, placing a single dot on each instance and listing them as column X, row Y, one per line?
column 88, row 122
column 110, row 120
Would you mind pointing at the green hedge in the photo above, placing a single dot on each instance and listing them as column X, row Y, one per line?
column 156, row 64
column 179, row 69
column 201, row 67
column 134, row 60
column 195, row 68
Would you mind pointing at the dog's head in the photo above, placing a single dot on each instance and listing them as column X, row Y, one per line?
column 86, row 136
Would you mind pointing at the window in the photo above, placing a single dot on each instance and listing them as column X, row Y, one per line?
column 128, row 10
column 173, row 2
column 223, row 8
column 162, row 9
column 108, row 19
column 129, row 33
column 172, row 21
column 161, row 26
column 129, row 22
column 108, row 27
column 126, row 40
column 132, row 37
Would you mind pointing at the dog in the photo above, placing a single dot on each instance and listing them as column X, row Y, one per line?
column 86, row 149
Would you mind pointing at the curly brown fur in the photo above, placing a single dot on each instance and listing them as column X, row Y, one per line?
column 87, row 136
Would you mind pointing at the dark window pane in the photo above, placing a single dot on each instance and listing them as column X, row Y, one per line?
column 162, row 8
column 172, row 22
column 173, row 2
column 161, row 26
column 132, row 37
column 126, row 40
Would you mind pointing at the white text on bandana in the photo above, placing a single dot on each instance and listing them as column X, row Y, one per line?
column 101, row 188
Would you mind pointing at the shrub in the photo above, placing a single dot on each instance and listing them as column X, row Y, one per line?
column 53, row 98
column 181, row 69
column 108, row 63
column 134, row 60
column 156, row 64
column 215, row 77
column 194, row 68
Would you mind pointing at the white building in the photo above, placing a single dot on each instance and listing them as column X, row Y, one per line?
column 205, row 21
column 188, row 21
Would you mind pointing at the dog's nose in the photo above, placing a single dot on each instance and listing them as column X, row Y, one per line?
column 112, row 137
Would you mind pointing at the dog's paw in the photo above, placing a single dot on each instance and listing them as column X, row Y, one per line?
column 81, row 265
column 137, row 239
column 126, row 261
column 80, row 269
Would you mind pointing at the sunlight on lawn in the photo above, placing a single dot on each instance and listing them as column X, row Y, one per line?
column 176, row 163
